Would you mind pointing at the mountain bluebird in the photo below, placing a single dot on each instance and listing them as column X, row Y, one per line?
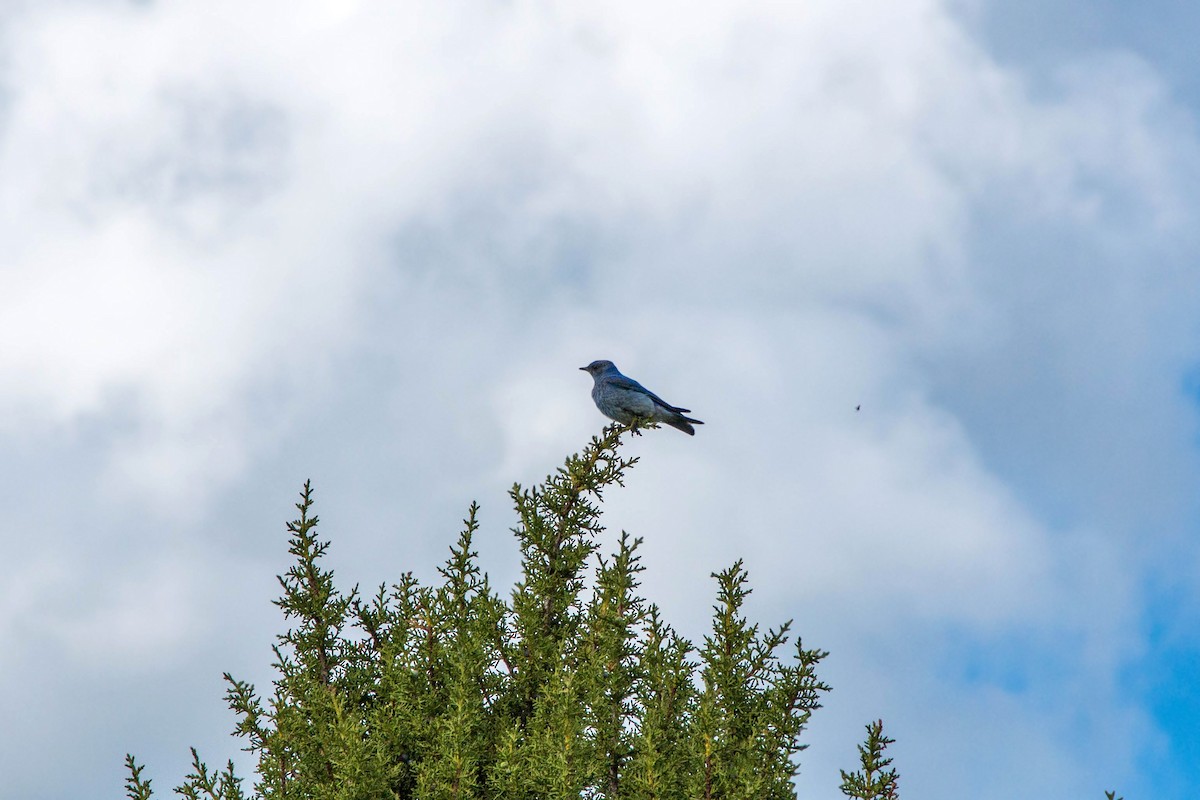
column 624, row 399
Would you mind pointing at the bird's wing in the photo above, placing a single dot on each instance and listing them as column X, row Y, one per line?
column 622, row 382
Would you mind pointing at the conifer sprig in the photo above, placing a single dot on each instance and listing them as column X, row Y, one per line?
column 873, row 780
column 137, row 787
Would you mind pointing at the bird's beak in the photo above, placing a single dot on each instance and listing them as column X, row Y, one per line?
column 584, row 369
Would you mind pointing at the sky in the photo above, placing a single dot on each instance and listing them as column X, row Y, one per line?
column 369, row 243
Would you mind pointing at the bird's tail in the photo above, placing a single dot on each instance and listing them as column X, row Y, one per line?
column 680, row 422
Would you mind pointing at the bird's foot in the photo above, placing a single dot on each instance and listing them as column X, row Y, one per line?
column 638, row 423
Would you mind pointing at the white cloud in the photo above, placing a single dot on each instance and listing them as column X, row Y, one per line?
column 131, row 617
column 137, row 620
column 219, row 217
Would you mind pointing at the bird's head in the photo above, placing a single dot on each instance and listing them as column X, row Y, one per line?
column 597, row 367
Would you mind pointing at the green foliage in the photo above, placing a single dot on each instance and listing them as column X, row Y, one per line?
column 574, row 687
column 873, row 781
column 136, row 787
column 201, row 784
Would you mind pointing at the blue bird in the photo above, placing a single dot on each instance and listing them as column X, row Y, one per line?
column 624, row 399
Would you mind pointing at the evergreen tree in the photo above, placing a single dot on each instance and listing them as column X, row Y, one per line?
column 561, row 691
